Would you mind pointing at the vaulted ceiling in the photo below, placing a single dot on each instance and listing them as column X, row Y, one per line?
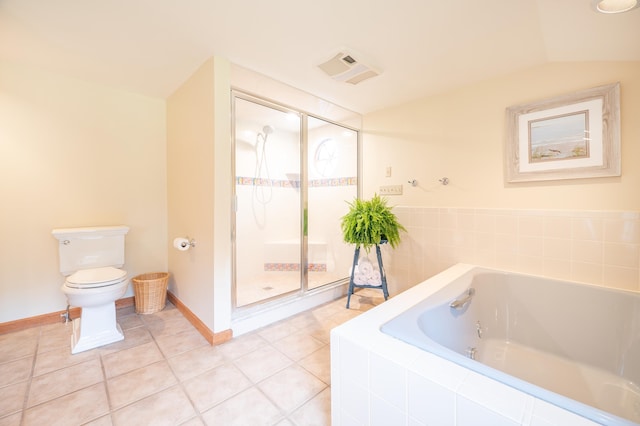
column 421, row 46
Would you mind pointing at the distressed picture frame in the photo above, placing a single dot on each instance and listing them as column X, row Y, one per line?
column 573, row 136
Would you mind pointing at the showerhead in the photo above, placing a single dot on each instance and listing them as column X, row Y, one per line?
column 267, row 129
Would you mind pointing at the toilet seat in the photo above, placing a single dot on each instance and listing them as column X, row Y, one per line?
column 95, row 277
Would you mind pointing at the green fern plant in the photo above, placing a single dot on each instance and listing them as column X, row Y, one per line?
column 370, row 222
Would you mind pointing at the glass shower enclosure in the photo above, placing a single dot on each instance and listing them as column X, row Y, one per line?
column 294, row 174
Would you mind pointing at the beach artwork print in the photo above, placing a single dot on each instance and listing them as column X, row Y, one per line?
column 570, row 136
column 561, row 137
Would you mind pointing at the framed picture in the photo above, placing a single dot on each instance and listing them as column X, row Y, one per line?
column 568, row 137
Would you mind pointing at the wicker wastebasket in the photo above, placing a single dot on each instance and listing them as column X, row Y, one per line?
column 150, row 292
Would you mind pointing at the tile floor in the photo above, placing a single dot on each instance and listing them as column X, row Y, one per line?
column 165, row 373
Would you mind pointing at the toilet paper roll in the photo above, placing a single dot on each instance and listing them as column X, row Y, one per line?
column 181, row 244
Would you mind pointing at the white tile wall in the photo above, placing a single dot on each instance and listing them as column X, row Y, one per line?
column 597, row 247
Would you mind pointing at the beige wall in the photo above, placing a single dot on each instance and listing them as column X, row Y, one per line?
column 74, row 154
column 584, row 230
column 193, row 130
column 460, row 135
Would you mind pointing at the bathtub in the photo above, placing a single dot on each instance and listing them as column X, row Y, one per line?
column 575, row 346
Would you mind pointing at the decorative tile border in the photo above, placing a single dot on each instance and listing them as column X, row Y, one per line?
column 292, row 267
column 286, row 183
column 340, row 181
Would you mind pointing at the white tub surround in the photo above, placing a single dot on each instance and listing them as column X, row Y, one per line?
column 380, row 380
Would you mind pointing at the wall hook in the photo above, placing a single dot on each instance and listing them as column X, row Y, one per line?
column 444, row 181
column 413, row 182
column 183, row 244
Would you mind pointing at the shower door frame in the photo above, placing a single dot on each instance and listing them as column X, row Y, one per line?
column 303, row 288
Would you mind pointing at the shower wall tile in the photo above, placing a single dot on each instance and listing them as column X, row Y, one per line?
column 597, row 247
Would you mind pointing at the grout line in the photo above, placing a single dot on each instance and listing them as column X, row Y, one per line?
column 296, row 325
column 28, row 389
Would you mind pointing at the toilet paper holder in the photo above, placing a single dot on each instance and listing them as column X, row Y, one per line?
column 184, row 243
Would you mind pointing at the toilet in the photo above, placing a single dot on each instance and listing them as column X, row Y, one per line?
column 90, row 259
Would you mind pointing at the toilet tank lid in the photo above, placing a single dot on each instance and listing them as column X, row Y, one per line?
column 66, row 233
column 96, row 275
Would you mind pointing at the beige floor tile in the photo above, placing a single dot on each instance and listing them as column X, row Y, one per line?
column 181, row 342
column 18, row 344
column 169, row 327
column 298, row 345
column 196, row 361
column 11, row 420
column 127, row 360
column 250, row 407
column 304, row 320
column 291, row 387
column 12, row 398
column 345, row 316
column 55, row 360
column 196, row 421
column 64, row 381
column 262, row 363
column 129, row 321
column 278, row 375
column 213, row 387
column 132, row 337
column 277, row 331
column 316, row 412
column 321, row 331
column 326, row 311
column 366, row 299
column 242, row 345
column 140, row 383
column 168, row 313
column 76, row 408
column 55, row 337
column 102, row 421
column 15, row 371
column 169, row 407
column 125, row 311
column 319, row 364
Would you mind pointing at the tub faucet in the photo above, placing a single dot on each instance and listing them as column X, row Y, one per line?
column 471, row 352
column 461, row 302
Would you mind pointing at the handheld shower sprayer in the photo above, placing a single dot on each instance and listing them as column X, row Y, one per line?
column 267, row 130
column 262, row 193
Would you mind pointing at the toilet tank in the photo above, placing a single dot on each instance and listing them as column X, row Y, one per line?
column 90, row 247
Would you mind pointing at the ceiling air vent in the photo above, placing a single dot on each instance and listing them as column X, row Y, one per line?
column 344, row 67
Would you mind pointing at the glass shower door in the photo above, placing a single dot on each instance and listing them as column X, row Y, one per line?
column 267, row 188
column 332, row 170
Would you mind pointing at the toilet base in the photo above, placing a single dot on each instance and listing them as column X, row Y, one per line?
column 94, row 329
column 80, row 343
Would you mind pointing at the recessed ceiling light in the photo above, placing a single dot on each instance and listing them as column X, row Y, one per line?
column 614, row 6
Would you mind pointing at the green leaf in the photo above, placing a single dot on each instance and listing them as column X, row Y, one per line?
column 368, row 221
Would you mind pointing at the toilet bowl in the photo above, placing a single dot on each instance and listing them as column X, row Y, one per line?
column 95, row 290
